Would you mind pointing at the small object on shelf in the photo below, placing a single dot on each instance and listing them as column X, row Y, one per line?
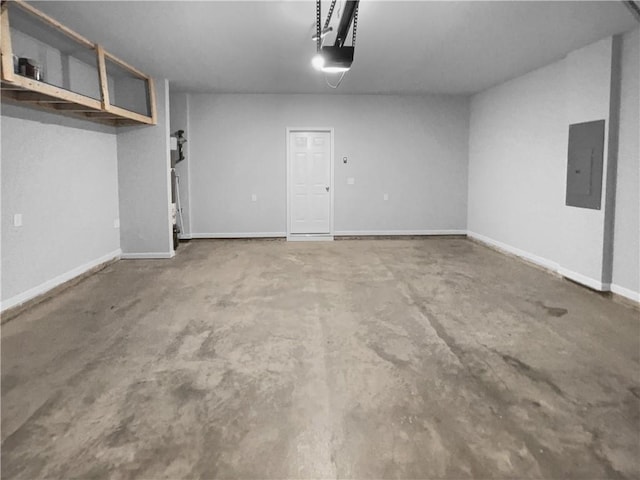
column 30, row 68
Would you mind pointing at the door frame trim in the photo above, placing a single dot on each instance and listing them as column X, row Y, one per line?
column 309, row 237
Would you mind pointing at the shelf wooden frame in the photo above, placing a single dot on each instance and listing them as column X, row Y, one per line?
column 24, row 90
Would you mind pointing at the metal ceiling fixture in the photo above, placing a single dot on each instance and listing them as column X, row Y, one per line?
column 336, row 58
column 634, row 7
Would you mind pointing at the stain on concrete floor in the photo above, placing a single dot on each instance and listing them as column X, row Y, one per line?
column 419, row 358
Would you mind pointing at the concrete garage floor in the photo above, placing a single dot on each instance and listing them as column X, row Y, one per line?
column 425, row 358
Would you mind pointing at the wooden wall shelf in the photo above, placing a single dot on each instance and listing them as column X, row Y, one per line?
column 28, row 91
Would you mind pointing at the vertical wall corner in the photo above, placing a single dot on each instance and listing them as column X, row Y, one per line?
column 612, row 159
column 145, row 186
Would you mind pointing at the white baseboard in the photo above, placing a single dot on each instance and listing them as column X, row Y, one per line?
column 309, row 238
column 59, row 280
column 584, row 280
column 336, row 234
column 625, row 292
column 543, row 262
column 240, row 235
column 148, row 255
column 185, row 236
column 367, row 233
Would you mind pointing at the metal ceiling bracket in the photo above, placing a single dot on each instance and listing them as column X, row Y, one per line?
column 634, row 7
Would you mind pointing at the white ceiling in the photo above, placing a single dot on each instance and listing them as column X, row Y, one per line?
column 402, row 47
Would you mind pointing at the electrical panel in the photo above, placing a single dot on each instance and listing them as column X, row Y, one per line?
column 584, row 164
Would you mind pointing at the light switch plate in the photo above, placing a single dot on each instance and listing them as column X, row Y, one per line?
column 116, row 223
column 351, row 181
column 17, row 220
column 385, row 196
column 254, row 197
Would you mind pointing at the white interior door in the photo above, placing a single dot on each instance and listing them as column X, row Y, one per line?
column 310, row 182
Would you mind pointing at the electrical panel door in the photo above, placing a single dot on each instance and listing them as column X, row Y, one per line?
column 584, row 164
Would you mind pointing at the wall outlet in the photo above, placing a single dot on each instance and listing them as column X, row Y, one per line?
column 17, row 220
column 254, row 197
column 351, row 181
column 385, row 196
column 116, row 223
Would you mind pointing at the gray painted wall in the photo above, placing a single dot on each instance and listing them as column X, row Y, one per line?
column 81, row 76
column 144, row 184
column 626, row 249
column 61, row 175
column 60, row 69
column 414, row 148
column 180, row 121
column 127, row 91
column 517, row 164
column 587, row 92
